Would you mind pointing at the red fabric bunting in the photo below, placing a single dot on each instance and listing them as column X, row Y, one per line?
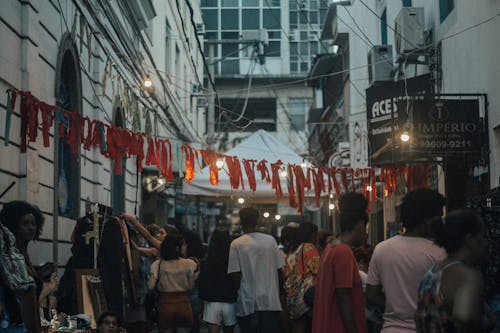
column 25, row 103
column 33, row 119
column 291, row 191
column 48, row 114
column 264, row 172
column 210, row 158
column 275, row 180
column 151, row 155
column 189, row 173
column 249, row 166
column 300, row 183
column 234, row 171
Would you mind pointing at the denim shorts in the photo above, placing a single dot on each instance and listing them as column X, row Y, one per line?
column 222, row 314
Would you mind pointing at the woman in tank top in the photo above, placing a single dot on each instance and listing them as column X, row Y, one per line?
column 450, row 296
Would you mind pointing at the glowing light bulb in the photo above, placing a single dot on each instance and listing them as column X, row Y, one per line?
column 219, row 163
column 277, row 217
column 283, row 174
column 331, row 206
column 303, row 164
column 148, row 83
column 369, row 188
column 331, row 195
column 266, row 214
column 405, row 137
column 241, row 201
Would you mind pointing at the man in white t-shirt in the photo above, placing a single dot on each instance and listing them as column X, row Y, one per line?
column 255, row 264
column 399, row 263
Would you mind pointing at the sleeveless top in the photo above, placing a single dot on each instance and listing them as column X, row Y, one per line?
column 433, row 310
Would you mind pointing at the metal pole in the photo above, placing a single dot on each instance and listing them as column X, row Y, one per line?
column 211, row 104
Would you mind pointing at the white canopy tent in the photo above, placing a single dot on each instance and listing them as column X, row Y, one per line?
column 259, row 146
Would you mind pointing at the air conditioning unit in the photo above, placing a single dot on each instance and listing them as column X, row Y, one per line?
column 200, row 29
column 380, row 64
column 409, row 33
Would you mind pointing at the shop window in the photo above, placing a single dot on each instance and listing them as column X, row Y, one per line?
column 445, row 8
column 118, row 181
column 69, row 97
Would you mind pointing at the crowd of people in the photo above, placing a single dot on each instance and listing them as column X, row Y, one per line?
column 308, row 281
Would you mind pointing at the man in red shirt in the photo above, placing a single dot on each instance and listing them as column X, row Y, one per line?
column 338, row 301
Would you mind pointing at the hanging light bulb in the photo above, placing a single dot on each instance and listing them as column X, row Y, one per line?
column 147, row 82
column 405, row 136
column 277, row 217
column 331, row 206
column 241, row 200
column 331, row 195
column 283, row 173
column 219, row 163
column 369, row 188
column 303, row 164
column 266, row 214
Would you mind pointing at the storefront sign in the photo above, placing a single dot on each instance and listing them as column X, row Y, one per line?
column 384, row 117
column 443, row 127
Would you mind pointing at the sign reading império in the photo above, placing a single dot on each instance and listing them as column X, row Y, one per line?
column 446, row 126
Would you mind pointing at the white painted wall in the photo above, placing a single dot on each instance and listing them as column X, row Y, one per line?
column 469, row 59
column 33, row 30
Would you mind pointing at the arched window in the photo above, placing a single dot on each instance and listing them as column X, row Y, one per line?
column 118, row 182
column 69, row 96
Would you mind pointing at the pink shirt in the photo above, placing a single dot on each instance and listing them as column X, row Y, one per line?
column 398, row 265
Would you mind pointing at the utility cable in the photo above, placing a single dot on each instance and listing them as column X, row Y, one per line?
column 187, row 41
column 68, row 30
column 304, row 14
column 388, row 25
column 278, row 20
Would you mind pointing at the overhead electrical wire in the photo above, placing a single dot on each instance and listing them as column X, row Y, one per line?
column 304, row 14
column 388, row 25
column 106, row 116
column 187, row 41
column 278, row 20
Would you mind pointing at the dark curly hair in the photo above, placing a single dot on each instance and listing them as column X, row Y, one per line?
column 306, row 231
column 106, row 314
column 12, row 212
column 249, row 217
column 451, row 230
column 419, row 206
column 352, row 209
